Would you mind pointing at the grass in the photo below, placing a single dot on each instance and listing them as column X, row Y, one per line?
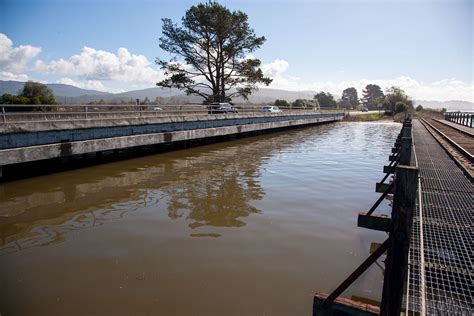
column 367, row 117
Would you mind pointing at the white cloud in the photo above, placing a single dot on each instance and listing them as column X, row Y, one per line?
column 92, row 64
column 5, row 75
column 442, row 90
column 15, row 58
column 276, row 67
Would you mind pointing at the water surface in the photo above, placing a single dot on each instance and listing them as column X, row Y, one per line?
column 247, row 227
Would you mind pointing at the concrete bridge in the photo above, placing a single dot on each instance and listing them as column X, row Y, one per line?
column 54, row 135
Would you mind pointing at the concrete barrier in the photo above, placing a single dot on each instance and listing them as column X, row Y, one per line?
column 34, row 141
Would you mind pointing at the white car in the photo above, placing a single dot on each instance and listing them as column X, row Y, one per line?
column 271, row 109
column 155, row 108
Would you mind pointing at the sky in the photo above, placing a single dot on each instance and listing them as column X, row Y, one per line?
column 423, row 46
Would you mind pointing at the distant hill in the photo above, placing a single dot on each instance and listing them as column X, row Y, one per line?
column 70, row 94
column 12, row 87
column 64, row 90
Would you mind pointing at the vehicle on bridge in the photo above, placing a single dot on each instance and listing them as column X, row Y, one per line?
column 217, row 108
column 155, row 108
column 270, row 109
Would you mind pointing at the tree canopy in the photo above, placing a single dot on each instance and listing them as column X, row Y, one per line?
column 305, row 103
column 350, row 98
column 210, row 51
column 371, row 96
column 394, row 95
column 325, row 100
column 282, row 103
column 38, row 93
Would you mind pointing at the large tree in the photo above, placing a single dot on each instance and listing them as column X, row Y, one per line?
column 349, row 98
column 371, row 96
column 325, row 100
column 209, row 54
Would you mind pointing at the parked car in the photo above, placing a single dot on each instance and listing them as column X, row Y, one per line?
column 156, row 108
column 270, row 109
column 215, row 108
column 365, row 110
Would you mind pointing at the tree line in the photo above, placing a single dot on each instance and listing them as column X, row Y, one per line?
column 394, row 100
column 33, row 93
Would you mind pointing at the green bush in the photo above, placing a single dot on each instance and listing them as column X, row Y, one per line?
column 400, row 107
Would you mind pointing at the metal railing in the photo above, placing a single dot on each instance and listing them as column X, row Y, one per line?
column 404, row 189
column 461, row 118
column 15, row 113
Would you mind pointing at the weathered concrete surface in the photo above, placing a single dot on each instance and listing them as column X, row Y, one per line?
column 68, row 148
column 36, row 126
column 43, row 133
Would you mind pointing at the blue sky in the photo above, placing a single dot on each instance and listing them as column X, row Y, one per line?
column 426, row 47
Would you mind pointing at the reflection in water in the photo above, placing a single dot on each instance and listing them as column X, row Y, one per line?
column 215, row 193
column 208, row 188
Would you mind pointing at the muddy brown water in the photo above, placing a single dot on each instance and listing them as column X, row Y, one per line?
column 253, row 226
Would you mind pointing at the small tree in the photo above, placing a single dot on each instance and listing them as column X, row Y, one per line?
column 400, row 107
column 393, row 95
column 299, row 104
column 282, row 103
column 212, row 44
column 325, row 100
column 38, row 93
column 419, row 108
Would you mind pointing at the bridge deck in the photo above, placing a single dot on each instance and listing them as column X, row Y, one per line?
column 441, row 267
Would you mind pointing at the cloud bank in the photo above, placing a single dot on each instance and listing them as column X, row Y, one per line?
column 92, row 64
column 441, row 90
column 15, row 58
column 100, row 70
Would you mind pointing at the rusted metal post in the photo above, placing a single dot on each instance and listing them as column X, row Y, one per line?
column 358, row 272
column 3, row 115
column 396, row 264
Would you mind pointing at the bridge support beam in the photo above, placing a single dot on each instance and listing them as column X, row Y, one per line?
column 396, row 263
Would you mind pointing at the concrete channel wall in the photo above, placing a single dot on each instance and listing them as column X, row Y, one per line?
column 32, row 141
